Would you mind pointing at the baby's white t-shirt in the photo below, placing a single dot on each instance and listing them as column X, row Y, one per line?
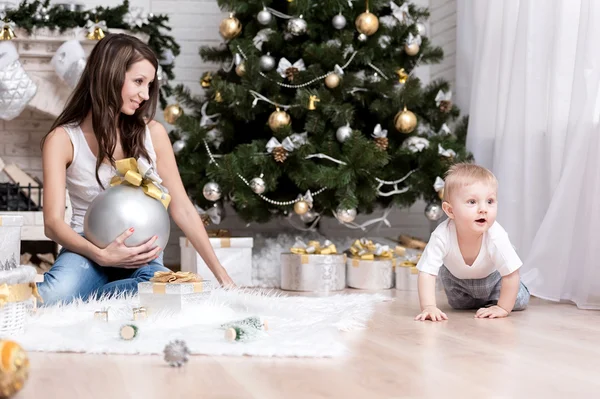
column 496, row 253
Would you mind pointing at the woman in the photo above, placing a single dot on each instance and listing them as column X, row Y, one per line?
column 109, row 117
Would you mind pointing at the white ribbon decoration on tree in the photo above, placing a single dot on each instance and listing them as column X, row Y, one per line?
column 444, row 130
column 378, row 132
column 400, row 12
column 290, row 143
column 206, row 120
column 416, row 144
column 136, row 17
column 442, row 96
column 439, row 184
column 261, row 37
column 91, row 25
column 446, row 153
column 412, row 39
column 284, row 65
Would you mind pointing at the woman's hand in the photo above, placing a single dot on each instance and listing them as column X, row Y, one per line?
column 117, row 254
column 224, row 279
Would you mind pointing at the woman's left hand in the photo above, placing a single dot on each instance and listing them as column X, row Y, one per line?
column 225, row 280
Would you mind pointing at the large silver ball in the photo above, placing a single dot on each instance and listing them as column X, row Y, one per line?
column 121, row 207
column 212, row 191
column 178, row 146
column 434, row 211
column 343, row 133
column 346, row 215
column 421, row 28
column 266, row 63
column 258, row 185
column 339, row 22
column 264, row 17
column 296, row 26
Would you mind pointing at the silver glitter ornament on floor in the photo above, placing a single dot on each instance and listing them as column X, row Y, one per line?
column 121, row 207
column 343, row 133
column 297, row 26
column 266, row 63
column 176, row 353
column 212, row 191
column 346, row 215
column 434, row 211
column 258, row 185
column 339, row 22
column 264, row 17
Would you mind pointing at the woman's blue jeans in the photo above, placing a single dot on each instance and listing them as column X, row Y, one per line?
column 74, row 276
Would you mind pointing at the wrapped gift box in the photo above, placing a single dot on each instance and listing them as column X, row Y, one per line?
column 377, row 274
column 172, row 296
column 10, row 241
column 312, row 272
column 234, row 253
column 406, row 277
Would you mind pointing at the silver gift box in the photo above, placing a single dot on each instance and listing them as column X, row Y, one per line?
column 313, row 273
column 370, row 274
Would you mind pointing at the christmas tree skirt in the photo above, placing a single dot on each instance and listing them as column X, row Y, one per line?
column 297, row 326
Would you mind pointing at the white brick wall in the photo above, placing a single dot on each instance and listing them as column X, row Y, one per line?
column 195, row 23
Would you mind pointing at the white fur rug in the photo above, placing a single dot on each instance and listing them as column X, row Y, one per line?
column 298, row 326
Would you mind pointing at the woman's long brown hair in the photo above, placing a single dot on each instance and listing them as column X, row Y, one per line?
column 99, row 91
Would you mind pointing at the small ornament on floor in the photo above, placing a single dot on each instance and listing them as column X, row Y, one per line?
column 176, row 353
column 128, row 332
column 140, row 314
column 101, row 315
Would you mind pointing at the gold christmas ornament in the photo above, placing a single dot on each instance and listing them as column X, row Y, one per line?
column 381, row 142
column 301, row 207
column 402, row 75
column 411, row 49
column 96, row 34
column 279, row 119
column 280, row 154
column 367, row 23
column 206, row 80
column 405, row 121
column 14, row 368
column 240, row 70
column 312, row 100
column 332, row 80
column 230, row 27
column 218, row 97
column 7, row 33
column 172, row 113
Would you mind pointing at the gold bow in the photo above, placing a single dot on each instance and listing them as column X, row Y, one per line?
column 367, row 250
column 314, row 248
column 129, row 172
column 18, row 293
column 175, row 277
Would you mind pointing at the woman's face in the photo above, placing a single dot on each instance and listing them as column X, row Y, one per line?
column 136, row 87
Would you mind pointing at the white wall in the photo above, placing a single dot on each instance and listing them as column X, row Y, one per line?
column 195, row 23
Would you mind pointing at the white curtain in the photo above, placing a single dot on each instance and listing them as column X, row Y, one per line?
column 528, row 74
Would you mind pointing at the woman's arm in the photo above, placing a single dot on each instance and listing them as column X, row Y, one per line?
column 181, row 208
column 57, row 154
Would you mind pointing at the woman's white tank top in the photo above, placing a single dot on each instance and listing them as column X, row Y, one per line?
column 81, row 174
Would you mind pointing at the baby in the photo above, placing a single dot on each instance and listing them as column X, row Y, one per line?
column 471, row 252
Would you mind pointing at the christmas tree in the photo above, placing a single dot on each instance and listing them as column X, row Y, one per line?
column 316, row 112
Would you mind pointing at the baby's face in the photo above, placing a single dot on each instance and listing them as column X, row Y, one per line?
column 474, row 207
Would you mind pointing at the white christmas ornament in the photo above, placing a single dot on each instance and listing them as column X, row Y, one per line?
column 69, row 62
column 416, row 144
column 16, row 88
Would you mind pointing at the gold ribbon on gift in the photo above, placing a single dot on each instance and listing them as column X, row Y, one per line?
column 129, row 172
column 220, row 233
column 175, row 277
column 313, row 248
column 368, row 250
column 161, row 288
column 18, row 293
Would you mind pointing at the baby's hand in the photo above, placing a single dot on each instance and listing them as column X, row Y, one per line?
column 492, row 312
column 432, row 313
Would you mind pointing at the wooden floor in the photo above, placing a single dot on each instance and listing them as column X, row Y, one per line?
column 548, row 351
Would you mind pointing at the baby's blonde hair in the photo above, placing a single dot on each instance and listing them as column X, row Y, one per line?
column 463, row 174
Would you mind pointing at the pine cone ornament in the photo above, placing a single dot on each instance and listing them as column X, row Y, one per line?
column 176, row 353
column 280, row 154
column 381, row 142
column 205, row 219
column 445, row 106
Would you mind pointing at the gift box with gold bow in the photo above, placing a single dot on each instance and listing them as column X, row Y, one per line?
column 313, row 267
column 234, row 253
column 370, row 265
column 173, row 290
column 18, row 295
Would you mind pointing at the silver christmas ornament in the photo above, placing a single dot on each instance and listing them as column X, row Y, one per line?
column 176, row 353
column 167, row 57
column 339, row 22
column 346, row 215
column 297, row 26
column 264, row 17
column 362, row 37
column 121, row 207
column 434, row 211
column 212, row 191
column 343, row 133
column 266, row 63
column 258, row 185
column 178, row 146
column 421, row 28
